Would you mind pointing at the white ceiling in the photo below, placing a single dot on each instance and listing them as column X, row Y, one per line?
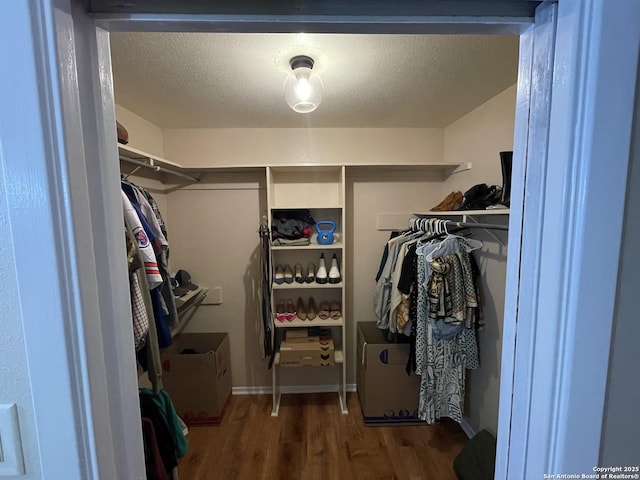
column 233, row 80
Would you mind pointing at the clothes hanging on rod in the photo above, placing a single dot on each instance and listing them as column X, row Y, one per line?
column 147, row 256
column 427, row 290
column 139, row 289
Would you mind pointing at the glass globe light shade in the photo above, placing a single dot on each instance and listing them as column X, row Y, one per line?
column 303, row 89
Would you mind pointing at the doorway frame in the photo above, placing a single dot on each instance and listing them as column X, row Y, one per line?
column 594, row 48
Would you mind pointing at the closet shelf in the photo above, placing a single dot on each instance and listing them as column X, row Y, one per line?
column 461, row 213
column 152, row 162
column 312, row 246
column 338, row 358
column 155, row 160
column 309, row 206
column 445, row 168
column 316, row 322
column 187, row 306
column 295, row 285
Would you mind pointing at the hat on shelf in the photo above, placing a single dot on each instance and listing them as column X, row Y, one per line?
column 183, row 279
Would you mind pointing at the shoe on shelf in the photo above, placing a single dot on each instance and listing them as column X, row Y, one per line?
column 297, row 273
column 280, row 314
column 325, row 310
column 312, row 309
column 301, row 310
column 335, row 310
column 288, row 274
column 321, row 274
column 311, row 274
column 278, row 276
column 450, row 203
column 334, row 271
column 291, row 311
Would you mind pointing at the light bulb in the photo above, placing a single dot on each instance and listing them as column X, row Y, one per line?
column 302, row 88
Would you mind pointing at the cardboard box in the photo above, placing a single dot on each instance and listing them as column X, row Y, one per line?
column 294, row 333
column 314, row 351
column 199, row 383
column 387, row 394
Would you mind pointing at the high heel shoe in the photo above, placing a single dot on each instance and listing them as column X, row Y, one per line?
column 334, row 271
column 321, row 274
column 312, row 309
column 291, row 311
column 311, row 274
column 288, row 274
column 298, row 273
column 280, row 314
column 301, row 311
column 278, row 276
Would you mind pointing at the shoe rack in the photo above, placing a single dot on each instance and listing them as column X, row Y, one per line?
column 321, row 190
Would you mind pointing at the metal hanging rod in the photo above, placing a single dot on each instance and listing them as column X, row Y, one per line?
column 158, row 168
column 418, row 224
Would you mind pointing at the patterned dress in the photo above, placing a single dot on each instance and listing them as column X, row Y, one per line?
column 442, row 363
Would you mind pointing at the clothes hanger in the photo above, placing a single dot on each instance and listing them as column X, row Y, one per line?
column 470, row 244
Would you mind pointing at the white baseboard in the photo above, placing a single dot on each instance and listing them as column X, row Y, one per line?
column 266, row 390
column 251, row 390
column 467, row 428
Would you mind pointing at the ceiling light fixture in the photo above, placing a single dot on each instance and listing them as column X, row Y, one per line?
column 302, row 87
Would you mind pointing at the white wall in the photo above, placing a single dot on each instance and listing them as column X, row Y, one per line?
column 214, row 236
column 143, row 135
column 369, row 195
column 283, row 146
column 478, row 137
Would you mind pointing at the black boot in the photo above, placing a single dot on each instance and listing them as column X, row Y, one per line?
column 506, row 160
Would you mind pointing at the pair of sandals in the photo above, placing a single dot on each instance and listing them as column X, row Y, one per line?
column 332, row 310
column 289, row 312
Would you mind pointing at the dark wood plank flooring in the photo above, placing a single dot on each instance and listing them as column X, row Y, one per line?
column 311, row 439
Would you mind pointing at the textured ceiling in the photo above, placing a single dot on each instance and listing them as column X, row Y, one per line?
column 230, row 80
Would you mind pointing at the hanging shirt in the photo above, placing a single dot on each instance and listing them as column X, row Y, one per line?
column 144, row 245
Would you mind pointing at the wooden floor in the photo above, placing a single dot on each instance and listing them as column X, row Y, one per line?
column 311, row 439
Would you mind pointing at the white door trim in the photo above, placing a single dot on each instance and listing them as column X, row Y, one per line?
column 595, row 69
column 569, row 361
column 533, row 108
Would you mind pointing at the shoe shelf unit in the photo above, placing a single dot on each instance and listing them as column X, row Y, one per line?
column 321, row 190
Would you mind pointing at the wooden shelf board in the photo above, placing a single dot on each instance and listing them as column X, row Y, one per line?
column 192, row 301
column 460, row 213
column 316, row 322
column 312, row 246
column 310, row 206
column 295, row 286
column 136, row 154
column 338, row 358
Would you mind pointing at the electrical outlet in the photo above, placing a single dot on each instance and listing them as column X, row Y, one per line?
column 214, row 296
column 11, row 461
